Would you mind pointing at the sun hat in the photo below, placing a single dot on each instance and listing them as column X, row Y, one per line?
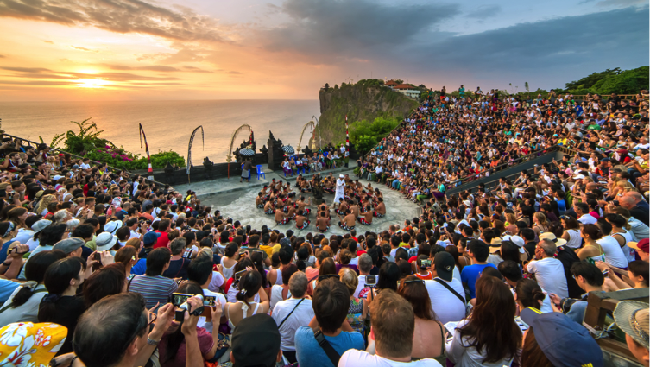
column 105, row 241
column 632, row 318
column 112, row 226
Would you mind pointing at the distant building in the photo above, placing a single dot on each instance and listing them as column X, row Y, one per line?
column 406, row 89
column 391, row 83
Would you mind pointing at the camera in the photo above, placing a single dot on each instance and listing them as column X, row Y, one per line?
column 425, row 264
column 179, row 300
column 187, row 253
column 371, row 280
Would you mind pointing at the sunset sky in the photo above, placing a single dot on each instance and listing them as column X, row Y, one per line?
column 243, row 49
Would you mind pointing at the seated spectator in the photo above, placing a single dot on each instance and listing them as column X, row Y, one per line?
column 474, row 341
column 178, row 263
column 529, row 296
column 389, row 276
column 250, row 288
column 293, row 313
column 104, row 282
column 172, row 345
column 428, row 333
column 331, row 307
column 282, row 292
column 478, row 252
column 448, row 305
column 589, row 279
column 548, row 271
column 265, row 351
column 358, row 308
column 632, row 318
column 393, row 323
column 61, row 305
column 154, row 287
column 23, row 304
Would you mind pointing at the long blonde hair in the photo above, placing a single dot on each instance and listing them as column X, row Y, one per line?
column 45, row 201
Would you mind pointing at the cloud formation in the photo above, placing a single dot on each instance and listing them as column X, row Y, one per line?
column 120, row 16
column 161, row 68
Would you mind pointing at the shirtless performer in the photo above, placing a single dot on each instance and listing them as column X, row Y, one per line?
column 291, row 211
column 269, row 208
column 301, row 222
column 259, row 201
column 342, row 207
column 324, row 209
column 366, row 216
column 348, row 222
column 354, row 208
column 280, row 217
column 302, row 203
column 322, row 222
column 380, row 209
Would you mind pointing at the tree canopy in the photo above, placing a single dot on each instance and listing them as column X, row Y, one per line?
column 611, row 81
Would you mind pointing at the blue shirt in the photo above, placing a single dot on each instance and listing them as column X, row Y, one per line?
column 139, row 268
column 3, row 251
column 7, row 287
column 471, row 274
column 310, row 354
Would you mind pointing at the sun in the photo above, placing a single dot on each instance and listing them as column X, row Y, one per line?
column 92, row 83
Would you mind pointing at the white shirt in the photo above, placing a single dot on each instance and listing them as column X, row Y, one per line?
column 460, row 354
column 218, row 298
column 27, row 312
column 549, row 273
column 276, row 296
column 357, row 358
column 587, row 219
column 301, row 316
column 614, row 255
column 445, row 304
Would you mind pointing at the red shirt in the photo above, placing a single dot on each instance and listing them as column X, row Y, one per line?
column 162, row 240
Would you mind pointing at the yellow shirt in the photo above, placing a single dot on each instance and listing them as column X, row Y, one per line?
column 267, row 249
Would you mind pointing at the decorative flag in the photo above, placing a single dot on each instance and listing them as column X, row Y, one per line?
column 347, row 136
column 146, row 148
column 188, row 164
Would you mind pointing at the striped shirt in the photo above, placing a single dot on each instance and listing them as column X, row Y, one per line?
column 154, row 289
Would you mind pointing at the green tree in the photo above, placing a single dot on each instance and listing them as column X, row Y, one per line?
column 399, row 81
column 365, row 135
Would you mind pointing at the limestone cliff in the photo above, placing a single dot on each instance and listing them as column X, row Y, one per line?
column 359, row 102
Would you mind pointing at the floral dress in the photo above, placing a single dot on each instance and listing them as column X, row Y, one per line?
column 355, row 314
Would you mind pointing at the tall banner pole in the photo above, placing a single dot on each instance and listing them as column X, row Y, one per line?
column 347, row 141
column 146, row 148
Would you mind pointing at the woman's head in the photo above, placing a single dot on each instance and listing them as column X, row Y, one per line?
column 350, row 279
column 18, row 215
column 249, row 284
column 327, row 267
column 127, row 255
column 529, row 293
column 413, row 290
column 591, row 231
column 64, row 274
column 492, row 328
column 231, row 249
column 389, row 275
column 35, row 270
column 51, row 234
column 287, row 272
column 104, row 282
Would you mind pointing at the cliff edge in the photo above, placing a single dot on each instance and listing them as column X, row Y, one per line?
column 359, row 102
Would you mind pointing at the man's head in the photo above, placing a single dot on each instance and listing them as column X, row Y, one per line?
column 112, row 331
column 331, row 302
column 587, row 275
column 298, row 284
column 158, row 261
column 548, row 247
column 265, row 351
column 200, row 270
column 392, row 322
column 364, row 264
column 478, row 250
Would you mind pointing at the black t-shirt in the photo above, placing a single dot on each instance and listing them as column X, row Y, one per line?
column 67, row 313
column 177, row 268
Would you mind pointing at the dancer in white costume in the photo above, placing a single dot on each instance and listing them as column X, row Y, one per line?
column 340, row 190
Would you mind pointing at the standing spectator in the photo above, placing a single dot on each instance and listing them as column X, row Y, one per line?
column 293, row 313
column 154, row 287
column 330, row 304
column 392, row 322
column 548, row 270
column 490, row 337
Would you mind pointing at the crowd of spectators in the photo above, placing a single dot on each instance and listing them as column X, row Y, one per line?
column 104, row 268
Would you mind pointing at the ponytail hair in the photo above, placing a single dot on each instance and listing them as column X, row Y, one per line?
column 529, row 293
column 249, row 284
column 257, row 257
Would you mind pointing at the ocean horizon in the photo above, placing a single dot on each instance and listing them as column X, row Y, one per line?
column 167, row 123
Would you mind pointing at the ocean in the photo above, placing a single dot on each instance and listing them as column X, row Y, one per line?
column 167, row 124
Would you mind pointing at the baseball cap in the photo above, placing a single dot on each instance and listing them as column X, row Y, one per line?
column 112, row 226
column 551, row 237
column 105, row 241
column 632, row 318
column 264, row 351
column 444, row 264
column 554, row 331
column 150, row 237
column 69, row 244
column 639, row 246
